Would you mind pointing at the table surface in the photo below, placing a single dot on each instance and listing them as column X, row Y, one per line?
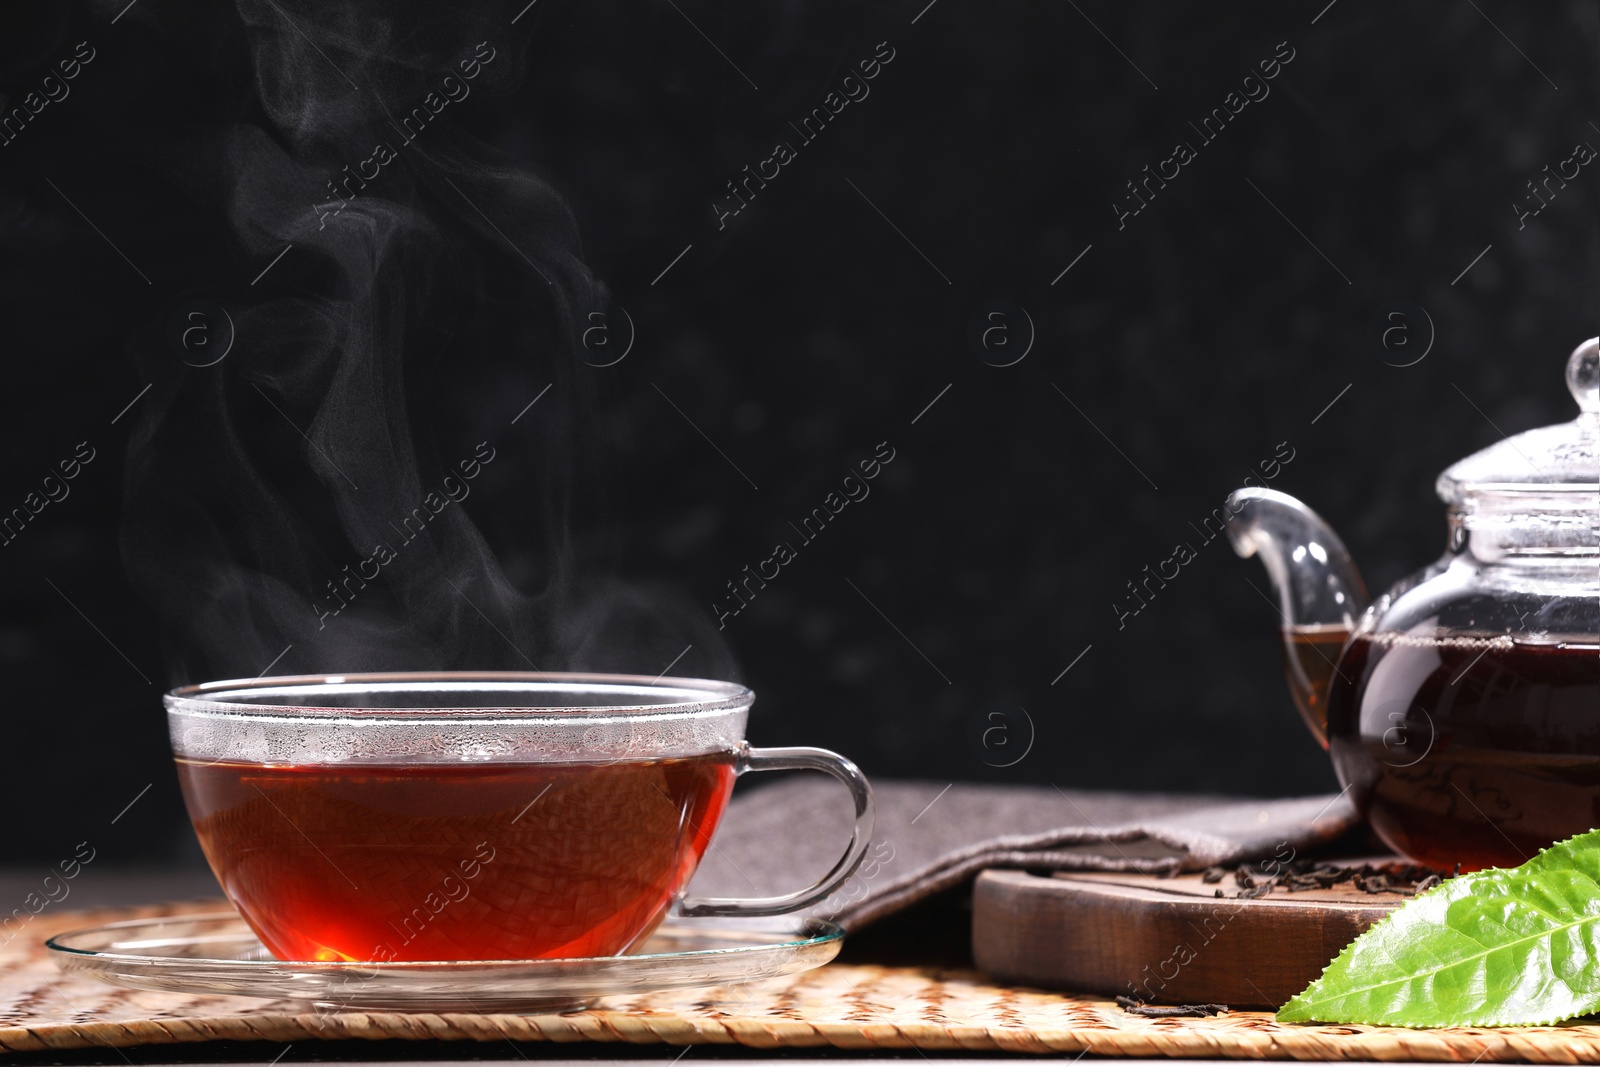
column 130, row 887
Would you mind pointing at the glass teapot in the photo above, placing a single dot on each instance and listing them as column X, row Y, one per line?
column 1462, row 707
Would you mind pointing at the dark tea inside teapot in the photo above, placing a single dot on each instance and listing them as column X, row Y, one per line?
column 1462, row 707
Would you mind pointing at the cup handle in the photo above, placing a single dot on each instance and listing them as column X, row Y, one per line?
column 798, row 759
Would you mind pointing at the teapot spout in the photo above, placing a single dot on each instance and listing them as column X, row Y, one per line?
column 1320, row 593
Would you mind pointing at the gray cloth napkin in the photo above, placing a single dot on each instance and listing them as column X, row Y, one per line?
column 931, row 837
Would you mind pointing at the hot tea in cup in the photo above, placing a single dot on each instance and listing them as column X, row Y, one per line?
column 411, row 817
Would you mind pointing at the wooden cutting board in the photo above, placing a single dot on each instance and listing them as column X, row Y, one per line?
column 1164, row 940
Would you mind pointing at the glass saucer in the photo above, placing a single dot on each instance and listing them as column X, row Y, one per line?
column 217, row 953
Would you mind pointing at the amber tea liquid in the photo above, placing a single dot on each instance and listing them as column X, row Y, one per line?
column 455, row 861
column 1471, row 750
column 1310, row 653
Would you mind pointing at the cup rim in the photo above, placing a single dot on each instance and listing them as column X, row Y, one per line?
column 691, row 697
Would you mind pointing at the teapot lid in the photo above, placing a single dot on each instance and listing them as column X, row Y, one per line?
column 1559, row 459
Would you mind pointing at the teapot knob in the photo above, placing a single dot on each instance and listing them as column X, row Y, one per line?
column 1583, row 375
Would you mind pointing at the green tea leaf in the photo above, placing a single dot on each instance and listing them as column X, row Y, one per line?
column 1517, row 947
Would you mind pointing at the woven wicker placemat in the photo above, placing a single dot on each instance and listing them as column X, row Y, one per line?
column 844, row 1006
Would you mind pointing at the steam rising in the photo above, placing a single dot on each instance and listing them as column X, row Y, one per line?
column 414, row 313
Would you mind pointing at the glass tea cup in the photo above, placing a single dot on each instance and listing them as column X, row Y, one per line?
column 473, row 816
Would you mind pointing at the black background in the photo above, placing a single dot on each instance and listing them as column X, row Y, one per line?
column 1198, row 338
